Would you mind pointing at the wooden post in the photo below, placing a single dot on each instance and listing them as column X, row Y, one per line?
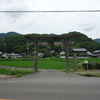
column 36, row 55
column 66, row 54
column 75, row 61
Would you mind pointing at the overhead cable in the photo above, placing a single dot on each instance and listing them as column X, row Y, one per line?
column 7, row 11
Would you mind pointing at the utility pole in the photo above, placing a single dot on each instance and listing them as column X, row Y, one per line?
column 27, row 49
column 66, row 54
column 5, row 47
column 75, row 61
column 36, row 55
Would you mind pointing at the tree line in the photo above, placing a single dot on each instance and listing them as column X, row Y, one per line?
column 19, row 44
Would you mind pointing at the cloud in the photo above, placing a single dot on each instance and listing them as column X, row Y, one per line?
column 50, row 22
column 90, row 28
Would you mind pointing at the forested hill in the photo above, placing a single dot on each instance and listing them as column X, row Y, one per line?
column 84, row 41
column 3, row 35
column 19, row 44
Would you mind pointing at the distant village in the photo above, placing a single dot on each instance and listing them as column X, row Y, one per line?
column 9, row 55
column 81, row 52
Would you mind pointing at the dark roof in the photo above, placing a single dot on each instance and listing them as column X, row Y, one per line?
column 97, row 51
column 79, row 49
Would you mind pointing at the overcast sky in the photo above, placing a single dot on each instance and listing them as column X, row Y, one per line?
column 87, row 23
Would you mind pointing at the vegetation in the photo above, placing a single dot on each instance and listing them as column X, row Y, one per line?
column 3, row 35
column 90, row 74
column 16, row 72
column 19, row 44
column 48, row 63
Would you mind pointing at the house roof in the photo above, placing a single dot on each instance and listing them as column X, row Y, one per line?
column 97, row 51
column 79, row 49
column 1, row 53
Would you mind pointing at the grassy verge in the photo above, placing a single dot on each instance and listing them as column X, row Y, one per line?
column 90, row 74
column 16, row 72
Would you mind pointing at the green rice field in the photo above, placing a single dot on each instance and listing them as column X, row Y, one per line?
column 48, row 63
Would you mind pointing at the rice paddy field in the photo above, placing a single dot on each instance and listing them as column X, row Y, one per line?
column 47, row 63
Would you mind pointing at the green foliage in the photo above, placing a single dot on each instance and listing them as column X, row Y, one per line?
column 90, row 66
column 20, row 72
column 15, row 72
column 4, row 71
column 87, row 74
column 87, row 66
column 3, row 35
column 51, row 62
column 90, row 74
column 18, row 43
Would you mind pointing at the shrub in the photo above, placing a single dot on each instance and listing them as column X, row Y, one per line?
column 89, row 65
column 98, row 65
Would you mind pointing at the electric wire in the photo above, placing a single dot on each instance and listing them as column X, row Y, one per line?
column 55, row 11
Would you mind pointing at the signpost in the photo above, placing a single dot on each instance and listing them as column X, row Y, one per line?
column 86, row 62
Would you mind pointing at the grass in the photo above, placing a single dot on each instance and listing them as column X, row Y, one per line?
column 15, row 72
column 41, row 64
column 48, row 63
column 90, row 74
column 25, row 64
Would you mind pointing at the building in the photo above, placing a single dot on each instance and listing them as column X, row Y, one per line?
column 96, row 53
column 80, row 52
column 39, row 54
column 1, row 54
column 62, row 54
column 10, row 55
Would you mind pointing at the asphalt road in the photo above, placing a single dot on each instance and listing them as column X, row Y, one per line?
column 51, row 85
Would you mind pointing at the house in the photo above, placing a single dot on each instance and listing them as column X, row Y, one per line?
column 96, row 53
column 13, row 55
column 62, row 54
column 79, row 51
column 39, row 54
column 10, row 55
column 1, row 54
column 4, row 55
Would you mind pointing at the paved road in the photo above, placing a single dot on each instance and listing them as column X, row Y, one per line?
column 51, row 85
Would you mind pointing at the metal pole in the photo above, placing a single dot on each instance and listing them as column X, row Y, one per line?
column 36, row 55
column 75, row 61
column 66, row 54
column 28, row 49
column 5, row 47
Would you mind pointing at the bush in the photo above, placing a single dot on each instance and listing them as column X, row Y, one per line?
column 47, row 55
column 98, row 65
column 91, row 65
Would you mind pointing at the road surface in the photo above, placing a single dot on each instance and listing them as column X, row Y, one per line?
column 50, row 85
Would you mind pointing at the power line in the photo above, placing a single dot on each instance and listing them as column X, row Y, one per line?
column 7, row 11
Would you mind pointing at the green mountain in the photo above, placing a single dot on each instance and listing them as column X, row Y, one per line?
column 3, row 35
column 84, row 41
column 97, row 40
column 19, row 44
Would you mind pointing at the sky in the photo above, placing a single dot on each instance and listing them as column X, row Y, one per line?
column 87, row 23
